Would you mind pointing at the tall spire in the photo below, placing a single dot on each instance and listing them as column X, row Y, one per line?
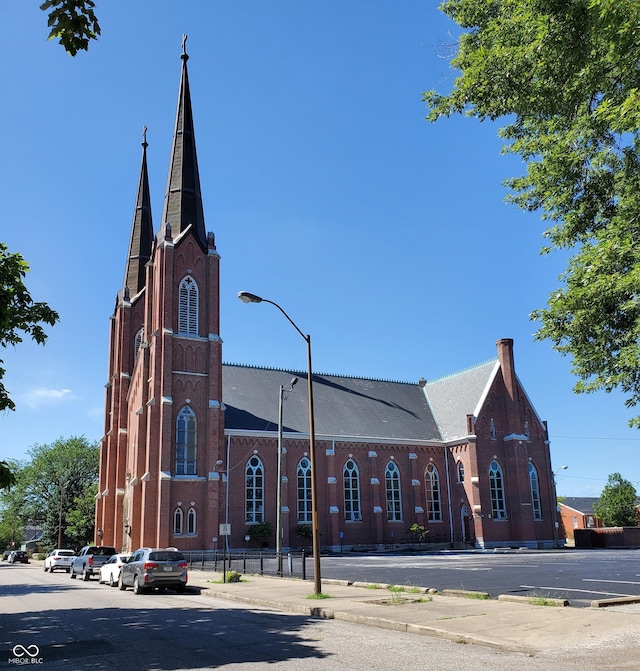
column 141, row 242
column 183, row 200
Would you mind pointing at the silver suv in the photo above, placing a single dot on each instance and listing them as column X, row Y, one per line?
column 154, row 568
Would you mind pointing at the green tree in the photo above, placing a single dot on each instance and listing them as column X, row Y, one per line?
column 565, row 79
column 47, row 487
column 18, row 313
column 81, row 517
column 618, row 503
column 73, row 23
column 7, row 478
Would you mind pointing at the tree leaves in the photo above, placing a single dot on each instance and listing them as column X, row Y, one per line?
column 73, row 23
column 565, row 77
column 18, row 313
column 57, row 479
column 618, row 503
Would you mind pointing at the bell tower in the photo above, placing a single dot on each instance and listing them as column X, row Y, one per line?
column 164, row 422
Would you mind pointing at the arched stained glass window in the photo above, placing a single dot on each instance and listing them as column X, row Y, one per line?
column 137, row 343
column 496, row 485
column 392, row 488
column 304, row 490
column 254, row 491
column 178, row 518
column 186, row 442
column 351, row 483
column 191, row 522
column 434, row 503
column 535, row 492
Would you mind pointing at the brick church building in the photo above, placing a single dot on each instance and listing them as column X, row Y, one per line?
column 191, row 443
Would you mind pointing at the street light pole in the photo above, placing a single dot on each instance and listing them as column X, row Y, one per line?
column 247, row 297
column 62, row 491
column 279, row 490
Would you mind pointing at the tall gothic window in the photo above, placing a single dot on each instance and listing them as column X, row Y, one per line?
column 137, row 343
column 434, row 504
column 304, row 490
column 254, row 491
column 392, row 488
column 496, row 485
column 460, row 468
column 191, row 522
column 188, row 307
column 186, row 440
column 351, row 482
column 177, row 522
column 535, row 492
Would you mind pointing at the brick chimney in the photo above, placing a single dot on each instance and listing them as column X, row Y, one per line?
column 505, row 356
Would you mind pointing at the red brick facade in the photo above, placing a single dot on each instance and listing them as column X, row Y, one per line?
column 166, row 360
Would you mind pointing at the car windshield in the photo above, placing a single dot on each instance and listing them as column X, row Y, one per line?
column 66, row 553
column 165, row 555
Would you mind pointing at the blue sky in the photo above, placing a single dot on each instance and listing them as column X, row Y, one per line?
column 383, row 236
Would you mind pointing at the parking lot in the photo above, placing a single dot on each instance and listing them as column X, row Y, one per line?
column 578, row 575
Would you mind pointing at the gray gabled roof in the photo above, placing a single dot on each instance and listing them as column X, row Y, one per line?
column 454, row 397
column 581, row 504
column 343, row 406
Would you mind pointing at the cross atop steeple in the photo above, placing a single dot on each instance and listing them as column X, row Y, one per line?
column 183, row 201
column 141, row 243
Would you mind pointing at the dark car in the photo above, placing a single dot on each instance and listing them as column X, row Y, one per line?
column 5, row 554
column 154, row 568
column 19, row 557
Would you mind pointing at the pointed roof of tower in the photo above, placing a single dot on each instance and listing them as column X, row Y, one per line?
column 183, row 200
column 141, row 243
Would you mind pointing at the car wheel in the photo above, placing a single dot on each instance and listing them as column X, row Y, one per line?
column 137, row 587
column 121, row 585
column 72, row 575
column 85, row 575
column 180, row 589
column 112, row 582
column 46, row 568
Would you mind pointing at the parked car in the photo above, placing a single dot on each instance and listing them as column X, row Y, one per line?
column 90, row 559
column 59, row 559
column 110, row 572
column 5, row 555
column 18, row 556
column 154, row 568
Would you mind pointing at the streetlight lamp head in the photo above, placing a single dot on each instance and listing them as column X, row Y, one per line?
column 294, row 381
column 247, row 297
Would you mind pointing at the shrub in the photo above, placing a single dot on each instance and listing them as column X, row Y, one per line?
column 232, row 576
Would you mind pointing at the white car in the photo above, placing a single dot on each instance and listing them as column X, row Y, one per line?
column 110, row 571
column 59, row 560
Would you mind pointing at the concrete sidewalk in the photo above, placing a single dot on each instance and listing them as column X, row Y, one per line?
column 507, row 624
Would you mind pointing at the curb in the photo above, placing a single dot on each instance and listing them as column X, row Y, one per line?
column 467, row 594
column 534, row 600
column 381, row 623
column 617, row 601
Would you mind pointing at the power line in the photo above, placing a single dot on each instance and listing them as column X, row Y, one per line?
column 594, row 438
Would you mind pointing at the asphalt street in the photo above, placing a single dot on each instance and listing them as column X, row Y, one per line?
column 57, row 623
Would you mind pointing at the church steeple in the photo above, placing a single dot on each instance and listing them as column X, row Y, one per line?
column 183, row 200
column 141, row 243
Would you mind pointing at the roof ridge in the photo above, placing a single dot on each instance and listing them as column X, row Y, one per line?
column 321, row 374
column 463, row 370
